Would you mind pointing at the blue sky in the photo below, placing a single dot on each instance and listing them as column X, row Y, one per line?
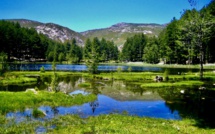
column 82, row 15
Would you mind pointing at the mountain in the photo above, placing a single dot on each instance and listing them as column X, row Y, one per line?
column 117, row 33
column 53, row 31
column 121, row 31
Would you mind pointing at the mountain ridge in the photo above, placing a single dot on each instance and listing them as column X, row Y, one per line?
column 118, row 33
column 121, row 31
column 53, row 31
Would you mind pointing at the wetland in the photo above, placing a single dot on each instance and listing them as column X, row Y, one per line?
column 83, row 97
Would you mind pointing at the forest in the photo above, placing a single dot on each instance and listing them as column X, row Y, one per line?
column 188, row 40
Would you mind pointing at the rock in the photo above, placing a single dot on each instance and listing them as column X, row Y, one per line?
column 182, row 91
column 202, row 88
column 159, row 78
column 31, row 90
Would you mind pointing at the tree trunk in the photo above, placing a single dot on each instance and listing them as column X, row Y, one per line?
column 201, row 64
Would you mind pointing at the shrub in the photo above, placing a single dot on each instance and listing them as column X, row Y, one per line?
column 42, row 69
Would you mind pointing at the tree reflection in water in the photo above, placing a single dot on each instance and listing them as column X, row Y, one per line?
column 94, row 105
column 95, row 88
column 55, row 111
column 193, row 103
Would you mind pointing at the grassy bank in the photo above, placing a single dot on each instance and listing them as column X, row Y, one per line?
column 12, row 101
column 197, row 66
column 28, row 77
column 146, row 79
column 14, row 79
column 174, row 84
column 120, row 124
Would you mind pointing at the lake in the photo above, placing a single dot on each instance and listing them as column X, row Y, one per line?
column 124, row 98
column 101, row 67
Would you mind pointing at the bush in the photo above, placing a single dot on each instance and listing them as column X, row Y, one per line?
column 42, row 69
column 37, row 113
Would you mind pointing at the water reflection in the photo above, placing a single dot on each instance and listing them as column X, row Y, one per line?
column 106, row 105
column 122, row 96
column 94, row 105
column 193, row 103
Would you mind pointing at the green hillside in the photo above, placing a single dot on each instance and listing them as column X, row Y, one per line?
column 121, row 31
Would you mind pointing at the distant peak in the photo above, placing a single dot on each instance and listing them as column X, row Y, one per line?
column 122, row 24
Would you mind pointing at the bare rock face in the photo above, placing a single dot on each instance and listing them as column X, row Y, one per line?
column 59, row 33
column 53, row 31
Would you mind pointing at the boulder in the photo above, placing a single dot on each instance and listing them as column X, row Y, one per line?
column 31, row 90
column 159, row 78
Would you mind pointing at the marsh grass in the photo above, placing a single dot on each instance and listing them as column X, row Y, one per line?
column 12, row 101
column 17, row 80
column 120, row 124
column 173, row 84
column 86, row 84
column 67, row 124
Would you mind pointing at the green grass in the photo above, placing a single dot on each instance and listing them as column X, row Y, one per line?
column 12, row 101
column 84, row 84
column 174, row 84
column 19, row 80
column 122, row 124
column 108, row 124
column 16, row 79
column 143, row 64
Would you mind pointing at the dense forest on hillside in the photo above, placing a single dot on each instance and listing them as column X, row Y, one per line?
column 21, row 43
column 25, row 44
column 189, row 40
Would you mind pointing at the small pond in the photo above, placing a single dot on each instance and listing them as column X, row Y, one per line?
column 125, row 98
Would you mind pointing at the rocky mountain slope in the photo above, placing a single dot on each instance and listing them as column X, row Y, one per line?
column 53, row 31
column 117, row 33
column 121, row 31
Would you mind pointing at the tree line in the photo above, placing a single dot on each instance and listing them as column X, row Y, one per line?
column 189, row 40
column 22, row 43
column 25, row 44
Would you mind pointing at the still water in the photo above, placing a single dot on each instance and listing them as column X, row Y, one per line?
column 106, row 105
column 112, row 97
column 103, row 67
column 124, row 98
column 120, row 97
